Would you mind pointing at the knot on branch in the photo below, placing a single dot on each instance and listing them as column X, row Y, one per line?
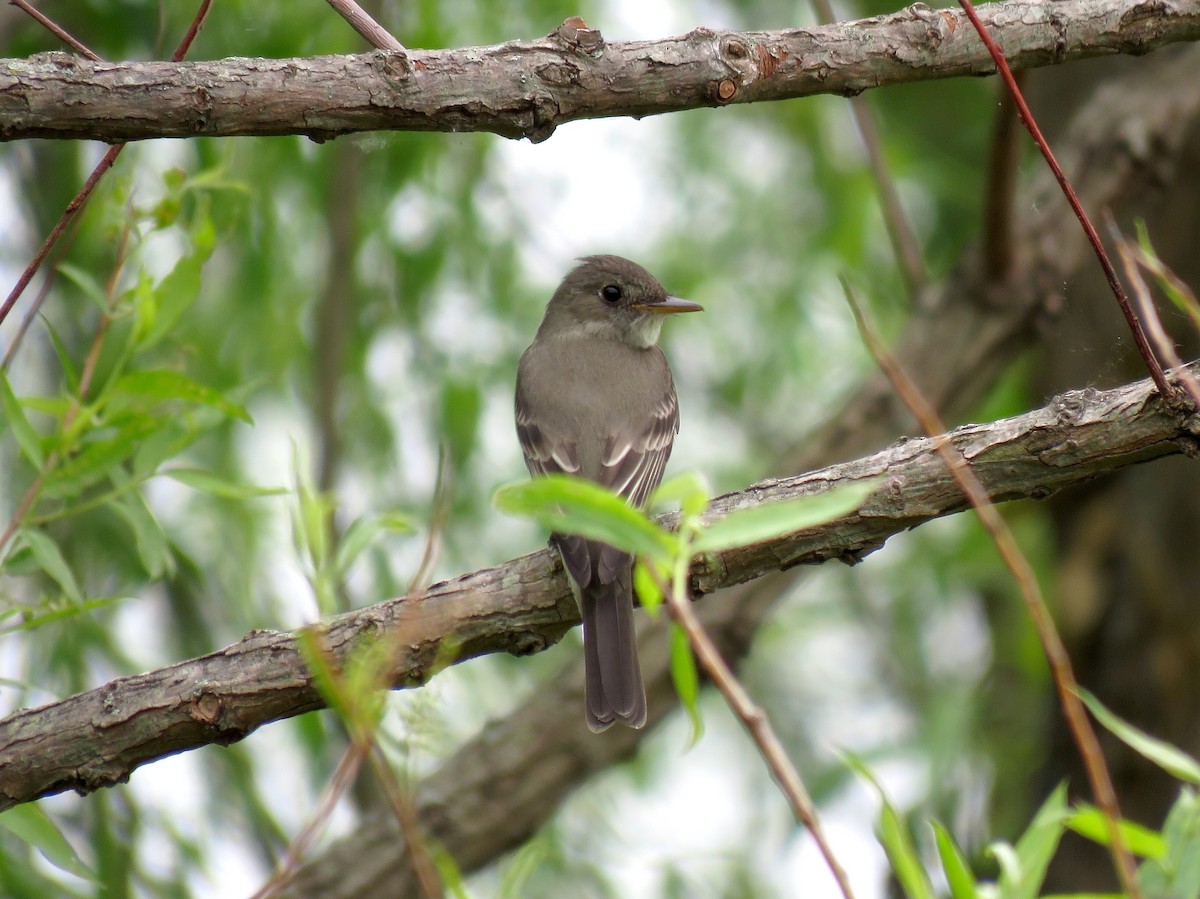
column 574, row 34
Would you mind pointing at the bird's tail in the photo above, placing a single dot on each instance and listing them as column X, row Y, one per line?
column 613, row 674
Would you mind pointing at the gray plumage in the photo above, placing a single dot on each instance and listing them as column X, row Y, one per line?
column 595, row 398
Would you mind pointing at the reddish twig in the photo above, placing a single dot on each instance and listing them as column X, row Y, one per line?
column 193, row 30
column 55, row 29
column 1139, row 336
column 1022, row 572
column 755, row 720
column 371, row 31
column 97, row 173
column 63, row 220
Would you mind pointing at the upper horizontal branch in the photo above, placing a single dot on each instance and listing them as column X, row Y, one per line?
column 528, row 88
column 98, row 738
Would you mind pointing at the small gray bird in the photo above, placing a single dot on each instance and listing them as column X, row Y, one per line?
column 595, row 398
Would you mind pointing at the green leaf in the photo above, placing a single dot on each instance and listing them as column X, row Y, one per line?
column 64, row 357
column 362, row 533
column 26, row 437
column 958, row 873
column 1024, row 867
column 152, row 545
column 895, row 838
column 687, row 679
column 754, row 524
column 92, row 289
column 1088, row 821
column 97, row 457
column 647, row 588
column 30, row 619
column 569, row 505
column 215, row 485
column 1174, row 761
column 172, row 296
column 50, row 559
column 688, row 488
column 164, row 384
column 34, row 827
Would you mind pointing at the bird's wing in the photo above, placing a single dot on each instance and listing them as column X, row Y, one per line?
column 634, row 458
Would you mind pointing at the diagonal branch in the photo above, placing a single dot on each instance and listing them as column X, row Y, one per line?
column 100, row 737
column 528, row 88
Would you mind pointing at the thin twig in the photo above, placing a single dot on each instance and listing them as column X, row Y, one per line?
column 407, row 818
column 94, row 178
column 65, row 219
column 85, row 383
column 1022, row 572
column 339, row 782
column 1139, row 336
column 1148, row 312
column 374, row 33
column 57, row 30
column 755, row 720
column 900, row 232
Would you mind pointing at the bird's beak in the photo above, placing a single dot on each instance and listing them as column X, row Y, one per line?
column 668, row 306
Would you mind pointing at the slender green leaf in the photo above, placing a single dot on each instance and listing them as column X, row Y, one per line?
column 894, row 837
column 1034, row 849
column 954, row 864
column 754, row 524
column 41, row 615
column 50, row 560
column 362, row 533
column 687, row 679
column 64, row 356
column 34, row 827
column 152, row 545
column 22, row 431
column 173, row 295
column 568, row 505
column 86, row 282
column 1174, row 761
column 1088, row 821
column 164, row 384
column 215, row 485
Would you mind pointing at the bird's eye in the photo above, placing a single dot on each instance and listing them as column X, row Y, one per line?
column 611, row 293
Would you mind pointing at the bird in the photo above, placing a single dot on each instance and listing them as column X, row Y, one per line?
column 595, row 398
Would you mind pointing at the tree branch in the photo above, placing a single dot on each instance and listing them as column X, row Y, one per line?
column 528, row 88
column 100, row 737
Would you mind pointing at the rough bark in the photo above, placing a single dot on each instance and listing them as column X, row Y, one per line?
column 528, row 88
column 99, row 737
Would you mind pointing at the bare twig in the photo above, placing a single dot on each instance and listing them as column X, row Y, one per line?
column 54, row 28
column 1110, row 274
column 404, row 810
column 339, row 782
column 1132, row 260
column 93, row 179
column 374, row 33
column 1022, row 572
column 997, row 243
column 759, row 727
column 65, row 219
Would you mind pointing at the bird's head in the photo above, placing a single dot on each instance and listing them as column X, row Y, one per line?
column 612, row 298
